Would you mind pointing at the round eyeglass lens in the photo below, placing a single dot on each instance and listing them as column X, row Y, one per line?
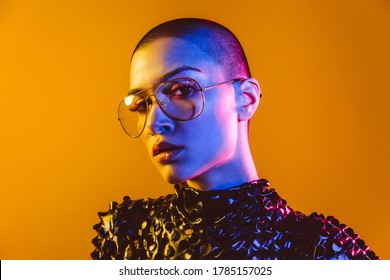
column 132, row 113
column 181, row 99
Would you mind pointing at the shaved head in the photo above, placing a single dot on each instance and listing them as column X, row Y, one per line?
column 214, row 39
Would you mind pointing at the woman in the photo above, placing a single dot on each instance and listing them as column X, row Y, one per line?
column 191, row 100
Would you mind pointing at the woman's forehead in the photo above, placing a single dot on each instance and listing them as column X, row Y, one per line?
column 164, row 55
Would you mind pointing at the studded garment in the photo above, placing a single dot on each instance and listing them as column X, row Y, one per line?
column 246, row 222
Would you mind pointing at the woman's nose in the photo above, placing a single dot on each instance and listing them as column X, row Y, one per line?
column 157, row 122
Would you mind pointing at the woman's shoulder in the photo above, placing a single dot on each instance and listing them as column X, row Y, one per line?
column 335, row 240
column 133, row 212
column 123, row 221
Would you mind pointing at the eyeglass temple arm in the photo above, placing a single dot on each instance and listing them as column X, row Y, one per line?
column 230, row 81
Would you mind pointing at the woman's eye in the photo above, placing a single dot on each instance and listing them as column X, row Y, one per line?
column 181, row 90
column 138, row 106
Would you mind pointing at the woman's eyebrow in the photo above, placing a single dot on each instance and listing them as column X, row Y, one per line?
column 168, row 76
column 176, row 71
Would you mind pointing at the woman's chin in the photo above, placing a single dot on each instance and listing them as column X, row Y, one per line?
column 173, row 177
column 174, row 180
column 179, row 173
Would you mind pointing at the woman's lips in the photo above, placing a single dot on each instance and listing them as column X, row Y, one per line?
column 165, row 152
column 167, row 156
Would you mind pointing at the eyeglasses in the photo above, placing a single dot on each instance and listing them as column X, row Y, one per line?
column 180, row 99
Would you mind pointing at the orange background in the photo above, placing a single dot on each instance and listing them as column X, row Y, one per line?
column 321, row 135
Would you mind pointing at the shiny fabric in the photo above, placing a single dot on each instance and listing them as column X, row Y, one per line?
column 246, row 222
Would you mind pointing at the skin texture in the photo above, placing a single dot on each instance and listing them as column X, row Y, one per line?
column 214, row 151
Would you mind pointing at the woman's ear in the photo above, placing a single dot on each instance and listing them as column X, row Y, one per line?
column 248, row 98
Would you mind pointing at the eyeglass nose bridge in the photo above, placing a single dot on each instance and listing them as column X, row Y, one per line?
column 161, row 103
column 154, row 120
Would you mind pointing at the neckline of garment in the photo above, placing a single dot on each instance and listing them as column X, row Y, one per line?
column 253, row 185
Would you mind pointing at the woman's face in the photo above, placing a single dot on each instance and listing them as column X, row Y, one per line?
column 200, row 149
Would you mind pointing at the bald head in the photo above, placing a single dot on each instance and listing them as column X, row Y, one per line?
column 212, row 38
